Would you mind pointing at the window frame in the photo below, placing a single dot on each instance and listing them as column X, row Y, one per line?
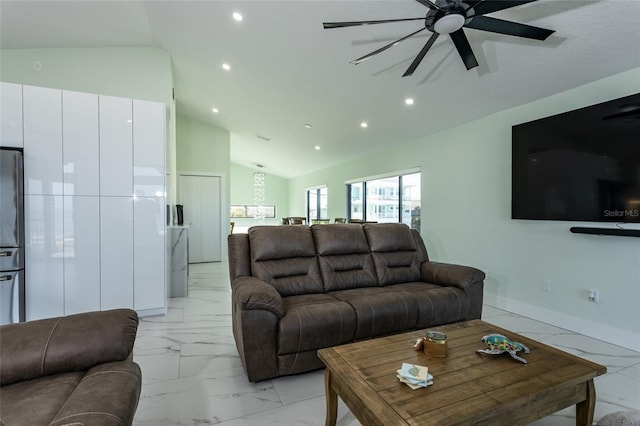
column 400, row 175
column 318, row 207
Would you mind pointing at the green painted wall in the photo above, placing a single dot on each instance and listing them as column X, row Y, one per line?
column 241, row 192
column 202, row 148
column 466, row 202
column 129, row 72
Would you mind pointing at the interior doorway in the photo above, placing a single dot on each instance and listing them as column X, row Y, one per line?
column 201, row 196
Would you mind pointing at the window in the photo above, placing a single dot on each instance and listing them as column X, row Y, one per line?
column 389, row 199
column 316, row 204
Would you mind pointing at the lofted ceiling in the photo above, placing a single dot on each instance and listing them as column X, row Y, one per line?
column 287, row 71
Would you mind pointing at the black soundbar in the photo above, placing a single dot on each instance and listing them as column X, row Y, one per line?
column 606, row 231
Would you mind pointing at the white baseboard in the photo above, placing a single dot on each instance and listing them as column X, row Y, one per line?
column 625, row 339
column 151, row 312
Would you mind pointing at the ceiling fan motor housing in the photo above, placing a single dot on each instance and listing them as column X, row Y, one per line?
column 454, row 13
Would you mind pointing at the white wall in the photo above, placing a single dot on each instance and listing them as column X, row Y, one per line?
column 466, row 202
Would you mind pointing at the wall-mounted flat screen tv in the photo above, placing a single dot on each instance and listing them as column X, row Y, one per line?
column 582, row 165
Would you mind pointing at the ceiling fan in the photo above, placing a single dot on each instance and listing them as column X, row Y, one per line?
column 449, row 17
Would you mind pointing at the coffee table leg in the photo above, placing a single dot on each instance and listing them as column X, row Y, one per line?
column 332, row 400
column 585, row 409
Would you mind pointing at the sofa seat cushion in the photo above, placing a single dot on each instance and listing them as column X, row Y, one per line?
column 36, row 402
column 380, row 310
column 314, row 321
column 437, row 305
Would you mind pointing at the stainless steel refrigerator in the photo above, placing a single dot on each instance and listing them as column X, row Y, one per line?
column 12, row 291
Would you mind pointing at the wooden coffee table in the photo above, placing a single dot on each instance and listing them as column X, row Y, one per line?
column 468, row 388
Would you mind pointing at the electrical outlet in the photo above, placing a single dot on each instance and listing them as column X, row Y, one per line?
column 546, row 286
column 594, row 296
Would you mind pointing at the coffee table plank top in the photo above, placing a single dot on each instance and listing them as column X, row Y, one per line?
column 467, row 386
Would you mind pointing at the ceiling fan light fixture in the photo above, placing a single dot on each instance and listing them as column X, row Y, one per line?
column 449, row 23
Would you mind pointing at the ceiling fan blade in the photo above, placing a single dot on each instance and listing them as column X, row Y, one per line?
column 464, row 49
column 482, row 7
column 421, row 55
column 328, row 25
column 430, row 4
column 383, row 48
column 494, row 25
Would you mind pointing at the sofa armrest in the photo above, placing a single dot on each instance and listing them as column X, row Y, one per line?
column 450, row 274
column 250, row 293
column 64, row 344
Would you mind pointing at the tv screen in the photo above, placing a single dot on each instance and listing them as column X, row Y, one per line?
column 582, row 165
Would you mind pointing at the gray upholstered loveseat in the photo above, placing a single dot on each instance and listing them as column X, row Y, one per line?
column 73, row 370
column 297, row 289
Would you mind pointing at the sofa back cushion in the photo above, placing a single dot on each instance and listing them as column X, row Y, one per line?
column 344, row 257
column 285, row 257
column 396, row 256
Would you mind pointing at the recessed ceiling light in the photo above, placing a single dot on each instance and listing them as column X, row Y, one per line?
column 237, row 16
column 364, row 125
column 317, row 147
column 226, row 66
column 215, row 110
column 408, row 101
column 308, row 126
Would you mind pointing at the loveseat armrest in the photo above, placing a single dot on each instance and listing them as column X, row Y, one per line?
column 450, row 275
column 64, row 344
column 106, row 396
column 250, row 293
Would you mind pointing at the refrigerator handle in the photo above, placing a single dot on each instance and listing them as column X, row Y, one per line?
column 5, row 253
column 5, row 278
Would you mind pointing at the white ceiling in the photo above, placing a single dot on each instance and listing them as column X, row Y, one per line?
column 288, row 71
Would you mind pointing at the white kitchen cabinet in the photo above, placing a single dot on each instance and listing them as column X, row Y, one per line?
column 148, row 149
column 116, row 146
column 149, row 253
column 42, row 140
column 116, row 248
column 93, row 240
column 81, row 157
column 11, row 115
column 44, row 256
column 81, row 254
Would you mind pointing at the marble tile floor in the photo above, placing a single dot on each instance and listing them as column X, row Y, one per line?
column 192, row 374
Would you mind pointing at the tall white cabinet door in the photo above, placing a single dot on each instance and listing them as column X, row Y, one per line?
column 44, row 256
column 116, row 146
column 149, row 253
column 148, row 148
column 42, row 140
column 11, row 115
column 116, row 248
column 80, row 143
column 81, row 254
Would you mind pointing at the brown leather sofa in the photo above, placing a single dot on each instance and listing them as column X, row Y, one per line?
column 73, row 370
column 297, row 289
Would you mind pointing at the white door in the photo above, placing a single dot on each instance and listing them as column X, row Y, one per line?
column 200, row 196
